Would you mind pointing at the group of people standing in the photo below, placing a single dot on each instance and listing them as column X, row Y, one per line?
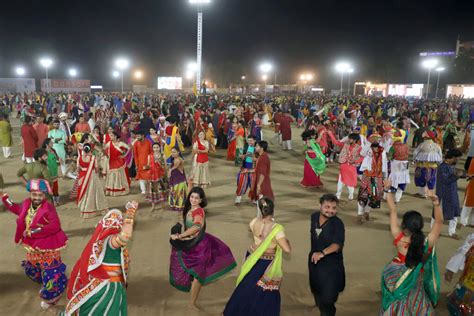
column 371, row 149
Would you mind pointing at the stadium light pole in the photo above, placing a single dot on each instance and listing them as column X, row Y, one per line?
column 305, row 78
column 349, row 72
column 429, row 64
column 46, row 63
column 342, row 67
column 264, row 78
column 199, row 4
column 20, row 71
column 122, row 64
column 439, row 70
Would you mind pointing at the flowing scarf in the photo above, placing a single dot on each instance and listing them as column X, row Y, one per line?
column 407, row 281
column 318, row 163
column 274, row 271
column 85, row 180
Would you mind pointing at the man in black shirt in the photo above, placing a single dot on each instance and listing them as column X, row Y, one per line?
column 325, row 261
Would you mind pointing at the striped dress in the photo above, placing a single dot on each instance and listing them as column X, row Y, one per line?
column 416, row 303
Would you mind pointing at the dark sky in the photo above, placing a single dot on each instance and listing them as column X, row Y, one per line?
column 381, row 38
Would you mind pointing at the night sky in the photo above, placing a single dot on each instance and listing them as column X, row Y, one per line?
column 381, row 38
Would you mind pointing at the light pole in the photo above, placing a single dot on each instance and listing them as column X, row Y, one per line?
column 122, row 64
column 349, row 71
column 116, row 74
column 46, row 63
column 264, row 78
column 429, row 63
column 199, row 4
column 438, row 70
column 72, row 72
column 242, row 83
column 20, row 71
column 265, row 68
column 342, row 67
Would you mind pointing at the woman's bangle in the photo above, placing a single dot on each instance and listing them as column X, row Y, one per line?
column 128, row 221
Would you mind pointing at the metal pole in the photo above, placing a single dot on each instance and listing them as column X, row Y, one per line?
column 342, row 78
column 349, row 83
column 47, row 81
column 265, row 87
column 121, row 75
column 437, row 85
column 275, row 79
column 199, row 50
column 428, row 83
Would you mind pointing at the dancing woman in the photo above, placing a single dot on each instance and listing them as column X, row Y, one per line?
column 411, row 282
column 90, row 192
column 117, row 181
column 200, row 174
column 315, row 161
column 177, row 182
column 258, row 284
column 98, row 280
column 197, row 258
column 157, row 187
column 232, row 140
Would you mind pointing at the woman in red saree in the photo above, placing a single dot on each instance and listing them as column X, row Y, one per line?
column 232, row 140
column 117, row 181
column 99, row 279
column 200, row 176
column 90, row 193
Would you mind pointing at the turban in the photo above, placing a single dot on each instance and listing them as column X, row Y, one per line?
column 39, row 185
column 430, row 134
column 62, row 116
column 374, row 138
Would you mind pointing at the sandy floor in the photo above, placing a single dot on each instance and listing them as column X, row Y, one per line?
column 368, row 247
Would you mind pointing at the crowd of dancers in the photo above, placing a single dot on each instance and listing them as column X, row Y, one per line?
column 103, row 142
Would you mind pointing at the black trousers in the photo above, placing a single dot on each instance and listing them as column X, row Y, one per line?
column 326, row 305
column 468, row 162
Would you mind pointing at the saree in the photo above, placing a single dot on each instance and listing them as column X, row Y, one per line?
column 91, row 290
column 405, row 290
column 90, row 193
column 257, row 290
column 171, row 142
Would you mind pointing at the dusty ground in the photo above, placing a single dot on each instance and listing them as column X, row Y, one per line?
column 368, row 247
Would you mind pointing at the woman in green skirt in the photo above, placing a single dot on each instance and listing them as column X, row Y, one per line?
column 98, row 280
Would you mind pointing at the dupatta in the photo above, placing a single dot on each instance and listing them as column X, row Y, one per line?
column 273, row 273
column 318, row 163
column 407, row 281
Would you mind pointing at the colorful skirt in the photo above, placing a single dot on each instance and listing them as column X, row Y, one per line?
column 252, row 300
column 178, row 191
column 201, row 176
column 310, row 179
column 93, row 202
column 231, row 150
column 47, row 269
column 111, row 299
column 157, row 191
column 370, row 191
column 209, row 260
column 415, row 303
column 116, row 182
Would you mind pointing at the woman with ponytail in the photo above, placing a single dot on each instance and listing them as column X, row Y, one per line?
column 411, row 282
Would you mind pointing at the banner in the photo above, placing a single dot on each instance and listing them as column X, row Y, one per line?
column 17, row 85
column 66, row 85
column 170, row 83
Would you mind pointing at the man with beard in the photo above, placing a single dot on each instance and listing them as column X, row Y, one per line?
column 39, row 232
column 38, row 169
column 325, row 261
column 374, row 168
